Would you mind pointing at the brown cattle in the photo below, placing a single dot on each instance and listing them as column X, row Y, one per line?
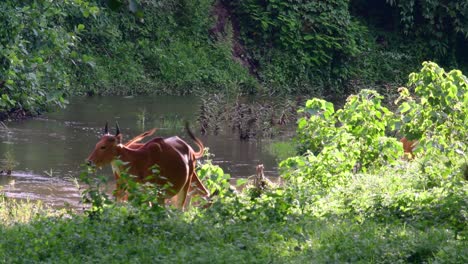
column 408, row 146
column 196, row 186
column 173, row 165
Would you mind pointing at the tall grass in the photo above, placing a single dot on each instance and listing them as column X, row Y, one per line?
column 14, row 212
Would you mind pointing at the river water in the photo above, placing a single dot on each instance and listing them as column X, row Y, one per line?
column 48, row 151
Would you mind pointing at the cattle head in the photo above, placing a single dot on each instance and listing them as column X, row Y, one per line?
column 106, row 149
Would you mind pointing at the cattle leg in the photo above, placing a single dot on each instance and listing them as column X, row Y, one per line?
column 182, row 195
column 198, row 185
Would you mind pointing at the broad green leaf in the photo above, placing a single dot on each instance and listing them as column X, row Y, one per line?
column 404, row 107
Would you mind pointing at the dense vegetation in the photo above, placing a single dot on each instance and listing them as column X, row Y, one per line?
column 347, row 195
column 50, row 49
column 35, row 48
column 351, row 196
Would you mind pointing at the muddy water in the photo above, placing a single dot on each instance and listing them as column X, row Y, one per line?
column 47, row 152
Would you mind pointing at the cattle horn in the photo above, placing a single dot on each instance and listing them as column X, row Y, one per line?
column 106, row 129
column 117, row 129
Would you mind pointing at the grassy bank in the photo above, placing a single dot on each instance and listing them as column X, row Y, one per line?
column 387, row 218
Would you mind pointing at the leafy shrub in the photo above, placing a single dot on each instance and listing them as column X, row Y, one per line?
column 36, row 47
column 436, row 115
column 401, row 192
column 215, row 179
column 439, row 105
column 94, row 192
column 337, row 144
column 427, row 191
column 352, row 136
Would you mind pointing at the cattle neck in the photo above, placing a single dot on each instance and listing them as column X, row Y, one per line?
column 126, row 155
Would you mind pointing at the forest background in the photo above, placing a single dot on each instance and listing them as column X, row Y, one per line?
column 52, row 49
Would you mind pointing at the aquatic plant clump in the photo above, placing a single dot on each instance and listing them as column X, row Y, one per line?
column 249, row 119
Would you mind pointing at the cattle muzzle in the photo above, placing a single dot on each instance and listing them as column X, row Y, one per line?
column 90, row 163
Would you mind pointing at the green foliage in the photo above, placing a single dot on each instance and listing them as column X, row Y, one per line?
column 138, row 47
column 439, row 105
column 94, row 194
column 165, row 51
column 437, row 21
column 48, row 50
column 434, row 30
column 437, row 118
column 141, row 195
column 214, row 179
column 337, row 144
column 141, row 47
column 354, row 223
column 352, row 137
column 35, row 48
column 387, row 62
column 432, row 189
column 402, row 193
column 437, row 114
column 297, row 43
column 130, row 236
column 300, row 45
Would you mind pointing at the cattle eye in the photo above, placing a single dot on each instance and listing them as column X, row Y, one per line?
column 103, row 147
